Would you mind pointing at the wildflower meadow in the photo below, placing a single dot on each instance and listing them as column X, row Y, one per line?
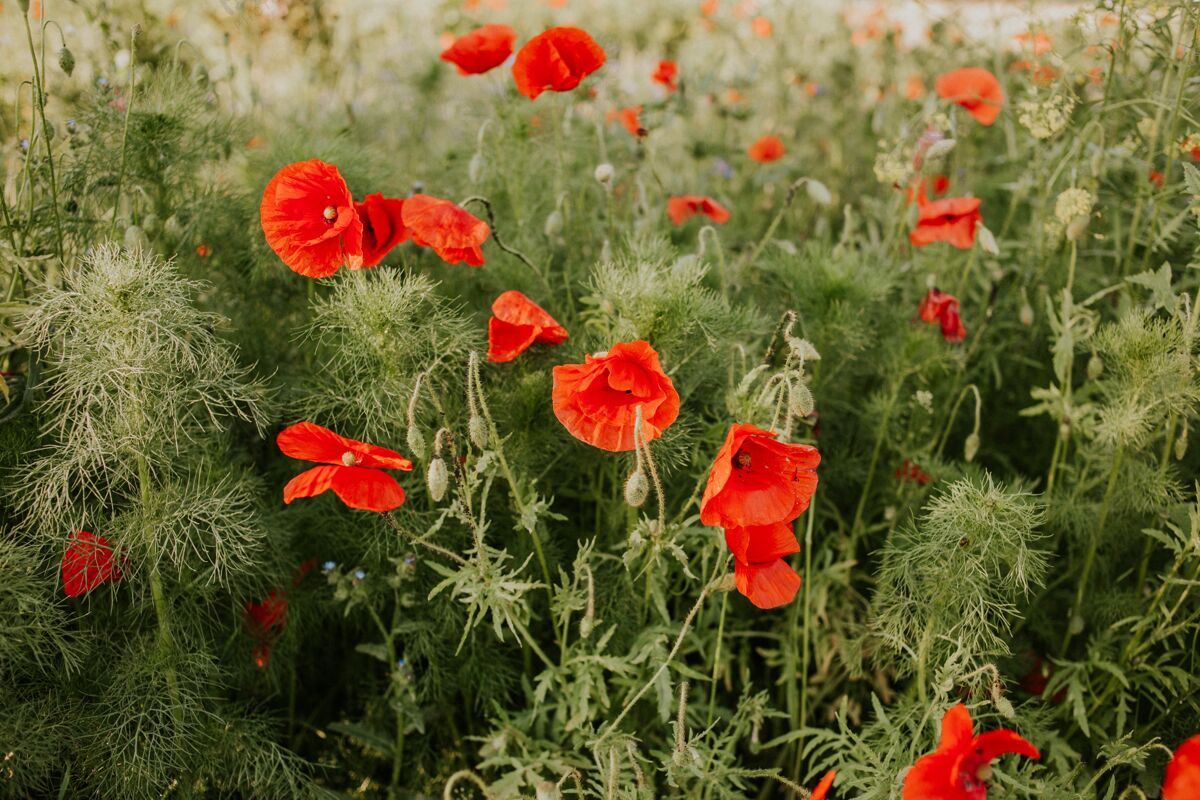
column 605, row 399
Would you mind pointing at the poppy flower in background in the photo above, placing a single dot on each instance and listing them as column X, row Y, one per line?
column 952, row 220
column 976, row 90
column 916, row 191
column 309, row 219
column 481, row 50
column 383, row 227
column 597, row 401
column 937, row 306
column 88, row 562
column 628, row 117
column 683, row 207
column 756, row 480
column 762, row 27
column 911, row 472
column 353, row 469
column 556, row 60
column 914, row 87
column 1182, row 781
column 517, row 323
column 822, row 789
column 961, row 766
column 766, row 149
column 454, row 233
column 665, row 74
column 264, row 621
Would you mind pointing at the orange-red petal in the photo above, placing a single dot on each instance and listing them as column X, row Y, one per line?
column 975, row 89
column 451, row 231
column 1182, row 781
column 309, row 220
column 357, row 487
column 517, row 322
column 556, row 60
column 766, row 149
column 767, row 585
column 88, row 562
column 481, row 50
column 681, row 208
column 383, row 226
column 308, row 441
column 820, row 791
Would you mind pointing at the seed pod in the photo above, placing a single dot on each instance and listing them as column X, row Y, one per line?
column 604, row 174
column 637, row 488
column 66, row 60
column 554, row 224
column 477, row 430
column 24, row 6
column 136, row 238
column 987, row 241
column 1095, row 367
column 416, row 441
column 971, row 447
column 437, row 478
column 547, row 790
column 1026, row 314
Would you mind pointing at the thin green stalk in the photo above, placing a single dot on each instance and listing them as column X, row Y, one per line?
column 161, row 609
column 880, row 434
column 716, row 666
column 923, row 660
column 112, row 231
column 804, row 633
column 40, row 105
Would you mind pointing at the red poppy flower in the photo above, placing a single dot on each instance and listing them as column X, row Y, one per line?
column 952, row 220
column 1182, row 781
column 1157, row 178
column 766, row 149
column 597, row 401
column 911, row 471
column 88, row 562
column 961, row 766
column 309, row 219
column 264, row 621
column 937, row 306
column 822, row 788
column 666, row 74
column 556, row 60
column 683, row 207
column 628, row 117
column 759, row 571
column 756, row 480
column 517, row 322
column 481, row 50
column 976, row 90
column 762, row 27
column 383, row 227
column 353, row 469
column 453, row 233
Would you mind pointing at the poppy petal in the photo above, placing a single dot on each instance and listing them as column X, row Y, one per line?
column 767, row 585
column 822, row 789
column 309, row 220
column 762, row 543
column 481, row 50
column 308, row 441
column 87, row 563
column 991, row 744
column 1182, row 781
column 556, row 60
column 451, row 231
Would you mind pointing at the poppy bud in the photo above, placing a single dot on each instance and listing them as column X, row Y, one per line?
column 554, row 224
column 604, row 174
column 1095, row 367
column 1076, row 626
column 1005, row 707
column 548, row 790
column 49, row 130
column 971, row 447
column 637, row 488
column 605, row 252
column 802, row 401
column 24, row 5
column 1026, row 314
column 818, row 192
column 437, row 478
column 416, row 442
column 136, row 238
column 987, row 241
column 151, row 224
column 475, row 167
column 66, row 60
column 727, row 584
column 1064, row 431
column 1181, row 443
column 477, row 430
column 173, row 227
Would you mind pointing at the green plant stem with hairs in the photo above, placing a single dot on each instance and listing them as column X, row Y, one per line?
column 161, row 609
column 39, row 104
column 880, row 434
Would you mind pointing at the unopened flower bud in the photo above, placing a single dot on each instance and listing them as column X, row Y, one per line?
column 818, row 192
column 971, row 447
column 1076, row 626
column 1026, row 314
column 437, row 478
column 554, row 224
column 136, row 238
column 987, row 241
column 547, row 790
column 604, row 174
column 173, row 227
column 23, row 5
column 1095, row 367
column 477, row 430
column 637, row 488
column 475, row 167
column 1005, row 707
column 416, row 441
column 66, row 60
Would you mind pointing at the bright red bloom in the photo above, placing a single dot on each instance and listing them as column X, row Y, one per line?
column 757, row 481
column 383, row 227
column 556, row 60
column 961, row 766
column 951, row 220
column 628, row 117
column 88, row 562
column 353, row 469
column 453, row 233
column 759, row 571
column 766, row 149
column 597, row 401
column 481, row 50
column 942, row 308
column 683, row 207
column 1182, row 781
column 309, row 219
column 264, row 621
column 517, row 322
column 823, row 787
column 666, row 74
column 976, row 90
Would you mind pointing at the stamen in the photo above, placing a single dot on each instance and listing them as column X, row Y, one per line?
column 330, row 213
column 349, row 458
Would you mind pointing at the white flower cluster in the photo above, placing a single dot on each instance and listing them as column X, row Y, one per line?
column 1045, row 118
column 891, row 168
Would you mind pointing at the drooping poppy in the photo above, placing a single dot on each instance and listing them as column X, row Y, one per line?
column 975, row 89
column 942, row 308
column 88, row 562
column 757, row 480
column 481, row 50
column 952, row 220
column 961, row 766
column 759, row 571
column 681, row 208
column 353, row 469
column 597, row 401
column 264, row 620
column 383, row 226
column 454, row 233
column 666, row 74
column 556, row 60
column 1182, row 781
column 766, row 149
column 309, row 219
column 517, row 323
column 822, row 788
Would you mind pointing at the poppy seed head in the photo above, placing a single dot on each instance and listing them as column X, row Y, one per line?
column 330, row 214
column 349, row 458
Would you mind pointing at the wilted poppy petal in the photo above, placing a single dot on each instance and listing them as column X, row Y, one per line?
column 309, row 220
column 556, row 60
column 767, row 585
column 453, row 233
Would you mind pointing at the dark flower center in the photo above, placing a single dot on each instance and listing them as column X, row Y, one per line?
column 741, row 460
